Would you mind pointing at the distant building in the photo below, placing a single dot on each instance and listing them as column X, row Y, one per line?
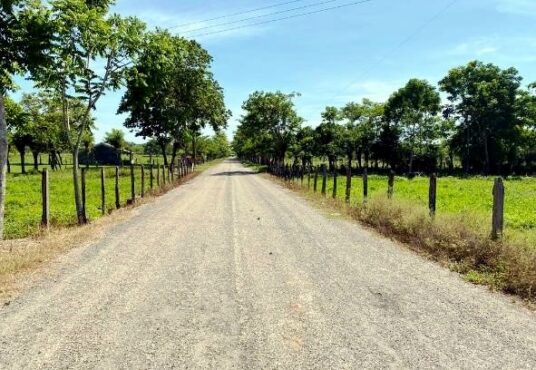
column 105, row 154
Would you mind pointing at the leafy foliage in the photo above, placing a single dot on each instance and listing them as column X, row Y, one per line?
column 171, row 93
column 488, row 124
column 270, row 121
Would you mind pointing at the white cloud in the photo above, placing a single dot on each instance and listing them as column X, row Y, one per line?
column 475, row 47
column 520, row 7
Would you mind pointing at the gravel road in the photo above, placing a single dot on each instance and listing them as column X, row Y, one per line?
column 231, row 271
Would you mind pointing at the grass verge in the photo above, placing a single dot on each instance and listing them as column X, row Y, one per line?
column 455, row 240
column 21, row 257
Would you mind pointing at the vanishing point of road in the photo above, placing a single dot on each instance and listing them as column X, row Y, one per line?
column 232, row 271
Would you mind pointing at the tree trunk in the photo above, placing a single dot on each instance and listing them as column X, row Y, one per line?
column 486, row 155
column 411, row 161
column 87, row 155
column 3, row 162
column 194, row 149
column 174, row 152
column 331, row 160
column 80, row 213
column 35, row 160
column 163, row 148
column 22, row 152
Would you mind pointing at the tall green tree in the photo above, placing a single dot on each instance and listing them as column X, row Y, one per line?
column 171, row 93
column 45, row 114
column 364, row 123
column 20, row 129
column 272, row 117
column 149, row 99
column 482, row 100
column 303, row 148
column 329, row 135
column 414, row 108
column 24, row 40
column 218, row 146
column 89, row 56
column 207, row 108
column 116, row 138
column 526, row 116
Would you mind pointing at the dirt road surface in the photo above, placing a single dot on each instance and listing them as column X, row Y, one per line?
column 231, row 271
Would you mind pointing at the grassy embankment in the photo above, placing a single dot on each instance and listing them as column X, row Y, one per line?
column 459, row 235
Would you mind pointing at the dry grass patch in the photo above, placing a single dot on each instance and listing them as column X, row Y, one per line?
column 23, row 256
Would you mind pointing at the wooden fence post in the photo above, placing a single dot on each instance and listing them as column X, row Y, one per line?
column 84, row 213
column 365, row 186
column 45, row 216
column 348, row 183
column 164, row 174
column 117, row 199
column 335, row 183
column 315, row 184
column 158, row 176
column 171, row 170
column 432, row 195
column 103, row 192
column 324, row 179
column 497, row 222
column 309, row 178
column 142, row 181
column 151, row 176
column 390, row 184
column 132, row 184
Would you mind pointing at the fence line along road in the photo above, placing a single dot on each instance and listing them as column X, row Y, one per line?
column 295, row 174
column 174, row 173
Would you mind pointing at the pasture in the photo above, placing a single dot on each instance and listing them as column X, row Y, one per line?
column 23, row 198
column 468, row 198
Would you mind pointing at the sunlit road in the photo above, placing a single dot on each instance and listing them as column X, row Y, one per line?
column 232, row 271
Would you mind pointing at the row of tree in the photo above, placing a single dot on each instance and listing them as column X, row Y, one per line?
column 76, row 51
column 35, row 123
column 487, row 125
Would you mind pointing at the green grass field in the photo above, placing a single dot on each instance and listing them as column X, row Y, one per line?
column 470, row 198
column 23, row 198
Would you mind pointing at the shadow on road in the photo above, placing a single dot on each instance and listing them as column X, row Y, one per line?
column 234, row 173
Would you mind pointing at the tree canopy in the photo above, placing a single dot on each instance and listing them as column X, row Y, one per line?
column 486, row 125
column 171, row 93
column 270, row 119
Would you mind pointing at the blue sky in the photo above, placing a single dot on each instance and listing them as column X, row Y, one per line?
column 331, row 58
